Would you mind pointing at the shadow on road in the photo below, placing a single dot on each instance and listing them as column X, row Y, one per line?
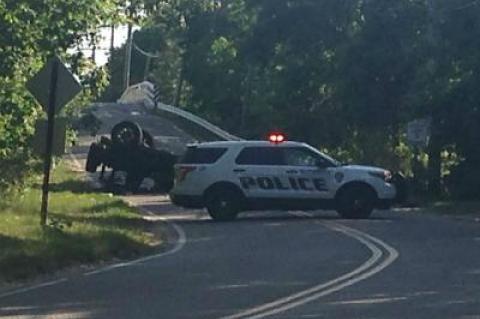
column 180, row 215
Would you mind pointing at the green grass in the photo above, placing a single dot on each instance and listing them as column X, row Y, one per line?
column 84, row 228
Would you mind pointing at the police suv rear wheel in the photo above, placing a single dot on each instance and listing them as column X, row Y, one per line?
column 223, row 205
column 356, row 202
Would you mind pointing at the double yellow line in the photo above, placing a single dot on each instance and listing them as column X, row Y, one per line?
column 382, row 255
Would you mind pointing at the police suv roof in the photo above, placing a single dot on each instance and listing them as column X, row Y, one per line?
column 245, row 143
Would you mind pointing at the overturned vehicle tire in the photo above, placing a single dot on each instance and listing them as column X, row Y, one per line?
column 127, row 133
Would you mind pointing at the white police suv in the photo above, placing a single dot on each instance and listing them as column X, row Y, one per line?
column 234, row 176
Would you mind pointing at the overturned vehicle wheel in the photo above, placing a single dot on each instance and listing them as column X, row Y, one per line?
column 127, row 134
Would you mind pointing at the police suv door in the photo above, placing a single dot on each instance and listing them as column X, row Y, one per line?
column 305, row 175
column 257, row 169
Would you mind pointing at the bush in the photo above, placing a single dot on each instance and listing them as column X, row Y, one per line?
column 463, row 183
column 16, row 169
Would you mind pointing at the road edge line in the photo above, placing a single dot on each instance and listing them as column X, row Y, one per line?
column 179, row 244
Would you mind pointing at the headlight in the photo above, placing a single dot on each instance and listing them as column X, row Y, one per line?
column 384, row 175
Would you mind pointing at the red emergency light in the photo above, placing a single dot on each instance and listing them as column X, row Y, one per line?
column 276, row 138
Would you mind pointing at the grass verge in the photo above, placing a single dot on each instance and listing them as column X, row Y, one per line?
column 84, row 228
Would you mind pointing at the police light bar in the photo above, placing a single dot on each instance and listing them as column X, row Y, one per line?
column 276, row 138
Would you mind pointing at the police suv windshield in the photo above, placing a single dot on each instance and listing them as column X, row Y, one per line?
column 324, row 156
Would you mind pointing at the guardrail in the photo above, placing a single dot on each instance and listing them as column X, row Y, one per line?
column 198, row 120
column 146, row 93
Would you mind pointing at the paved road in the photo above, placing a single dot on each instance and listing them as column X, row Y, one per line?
column 278, row 265
column 223, row 269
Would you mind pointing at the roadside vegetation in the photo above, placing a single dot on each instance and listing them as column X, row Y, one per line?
column 344, row 76
column 84, row 228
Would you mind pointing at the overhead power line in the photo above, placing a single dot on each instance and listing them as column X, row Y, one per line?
column 145, row 53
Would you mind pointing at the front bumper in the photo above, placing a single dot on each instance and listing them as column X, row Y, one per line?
column 401, row 188
column 386, row 191
column 393, row 193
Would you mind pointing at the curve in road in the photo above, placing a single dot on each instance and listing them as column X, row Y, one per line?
column 382, row 256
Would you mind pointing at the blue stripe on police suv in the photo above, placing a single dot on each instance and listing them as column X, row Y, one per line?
column 292, row 183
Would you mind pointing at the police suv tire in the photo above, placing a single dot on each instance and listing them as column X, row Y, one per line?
column 223, row 205
column 127, row 133
column 94, row 158
column 355, row 202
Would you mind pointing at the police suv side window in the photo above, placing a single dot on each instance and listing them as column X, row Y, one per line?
column 297, row 156
column 260, row 156
column 202, row 155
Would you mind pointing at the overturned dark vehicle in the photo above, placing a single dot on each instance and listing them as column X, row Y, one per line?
column 131, row 150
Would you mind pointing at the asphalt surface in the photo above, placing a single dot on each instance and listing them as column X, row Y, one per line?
column 277, row 265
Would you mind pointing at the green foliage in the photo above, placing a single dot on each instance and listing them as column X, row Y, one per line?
column 342, row 75
column 84, row 228
column 32, row 31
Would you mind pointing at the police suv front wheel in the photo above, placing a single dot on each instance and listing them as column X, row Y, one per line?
column 223, row 205
column 356, row 202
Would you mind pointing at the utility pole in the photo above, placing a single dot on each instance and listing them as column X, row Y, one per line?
column 128, row 48
column 112, row 38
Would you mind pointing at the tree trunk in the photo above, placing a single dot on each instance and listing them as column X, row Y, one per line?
column 178, row 94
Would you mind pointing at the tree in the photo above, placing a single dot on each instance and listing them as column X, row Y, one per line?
column 32, row 31
column 343, row 75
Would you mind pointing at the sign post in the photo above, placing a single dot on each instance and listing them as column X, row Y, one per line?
column 53, row 87
column 418, row 136
column 48, row 151
column 59, row 137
